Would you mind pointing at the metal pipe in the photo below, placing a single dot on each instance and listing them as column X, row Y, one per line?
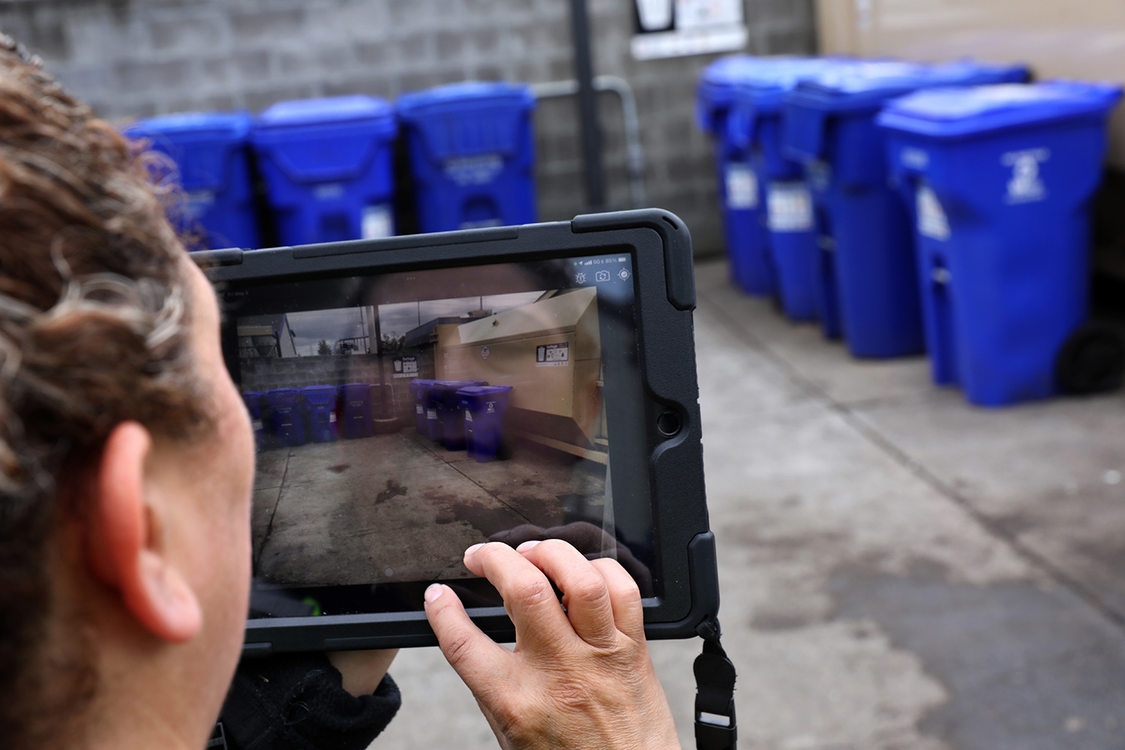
column 587, row 104
column 634, row 150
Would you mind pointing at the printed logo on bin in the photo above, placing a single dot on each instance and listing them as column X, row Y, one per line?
column 915, row 158
column 485, row 352
column 1025, row 184
column 491, row 407
column 474, row 170
column 329, row 191
column 819, row 174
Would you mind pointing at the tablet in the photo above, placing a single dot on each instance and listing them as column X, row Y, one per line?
column 413, row 396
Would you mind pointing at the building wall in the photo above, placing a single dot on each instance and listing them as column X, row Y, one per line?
column 137, row 58
column 297, row 372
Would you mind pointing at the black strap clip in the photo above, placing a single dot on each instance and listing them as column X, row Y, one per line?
column 715, row 724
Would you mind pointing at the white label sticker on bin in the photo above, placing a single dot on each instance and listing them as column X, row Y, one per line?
column 257, row 424
column 331, row 417
column 931, row 218
column 418, row 409
column 377, row 222
column 789, row 207
column 1025, row 184
column 742, row 186
column 431, row 413
column 468, row 416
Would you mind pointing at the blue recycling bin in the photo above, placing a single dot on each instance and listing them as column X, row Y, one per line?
column 253, row 401
column 754, row 126
column 999, row 180
column 328, row 167
column 472, row 154
column 320, row 407
column 211, row 154
column 739, row 192
column 445, row 405
column 483, row 408
column 286, row 416
column 867, row 265
column 420, row 393
column 355, row 411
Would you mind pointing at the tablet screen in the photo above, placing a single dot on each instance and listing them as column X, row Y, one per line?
column 402, row 417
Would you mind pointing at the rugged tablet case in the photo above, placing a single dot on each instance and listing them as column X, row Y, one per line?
column 660, row 246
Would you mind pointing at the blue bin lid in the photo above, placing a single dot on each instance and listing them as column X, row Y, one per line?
column 468, row 119
column 302, row 113
column 200, row 143
column 765, row 86
column 483, row 390
column 221, row 126
column 976, row 73
column 867, row 84
column 959, row 111
column 454, row 97
column 719, row 82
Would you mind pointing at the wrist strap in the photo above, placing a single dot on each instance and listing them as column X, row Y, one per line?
column 715, row 725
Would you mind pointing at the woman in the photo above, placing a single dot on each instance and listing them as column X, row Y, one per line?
column 126, row 464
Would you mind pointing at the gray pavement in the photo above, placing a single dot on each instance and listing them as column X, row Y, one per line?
column 898, row 569
column 361, row 510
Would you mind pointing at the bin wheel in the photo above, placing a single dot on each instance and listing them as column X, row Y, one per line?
column 1092, row 360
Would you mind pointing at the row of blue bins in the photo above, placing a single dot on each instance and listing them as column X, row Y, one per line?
column 286, row 417
column 328, row 169
column 462, row 415
column 914, row 207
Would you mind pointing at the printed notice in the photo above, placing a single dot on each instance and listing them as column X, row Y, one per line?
column 677, row 28
column 405, row 367
column 552, row 355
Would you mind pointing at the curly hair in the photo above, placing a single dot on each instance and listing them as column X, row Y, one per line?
column 93, row 311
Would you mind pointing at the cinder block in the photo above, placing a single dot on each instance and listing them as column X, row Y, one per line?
column 177, row 34
column 269, row 24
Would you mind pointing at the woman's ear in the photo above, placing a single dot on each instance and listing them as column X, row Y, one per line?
column 124, row 543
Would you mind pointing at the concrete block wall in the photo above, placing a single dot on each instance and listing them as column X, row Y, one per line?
column 297, row 372
column 137, row 58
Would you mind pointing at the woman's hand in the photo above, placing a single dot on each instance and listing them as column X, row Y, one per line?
column 579, row 677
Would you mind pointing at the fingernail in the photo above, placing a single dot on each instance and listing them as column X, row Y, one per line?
column 433, row 591
column 527, row 545
column 472, row 550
